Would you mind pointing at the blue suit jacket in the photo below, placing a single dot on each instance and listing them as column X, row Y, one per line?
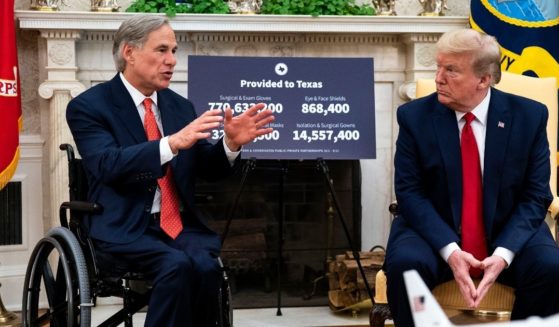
column 428, row 173
column 122, row 166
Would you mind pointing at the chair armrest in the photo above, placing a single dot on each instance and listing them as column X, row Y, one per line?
column 553, row 212
column 554, row 208
column 380, row 279
column 77, row 206
column 380, row 288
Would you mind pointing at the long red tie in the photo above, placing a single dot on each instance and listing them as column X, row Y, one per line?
column 473, row 231
column 170, row 204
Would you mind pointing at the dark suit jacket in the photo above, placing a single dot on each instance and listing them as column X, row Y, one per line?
column 428, row 173
column 122, row 166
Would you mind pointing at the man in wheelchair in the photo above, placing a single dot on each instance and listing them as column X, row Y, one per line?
column 142, row 147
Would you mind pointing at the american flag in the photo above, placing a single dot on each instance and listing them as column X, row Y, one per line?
column 418, row 303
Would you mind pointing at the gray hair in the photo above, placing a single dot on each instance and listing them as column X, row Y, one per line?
column 134, row 31
column 484, row 49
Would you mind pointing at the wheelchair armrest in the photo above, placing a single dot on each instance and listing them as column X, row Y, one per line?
column 69, row 150
column 393, row 208
column 202, row 197
column 80, row 207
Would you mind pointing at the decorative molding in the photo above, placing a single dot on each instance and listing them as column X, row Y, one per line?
column 353, row 38
column 93, row 36
column 282, row 50
column 12, row 271
column 47, row 89
column 60, row 53
column 421, row 38
column 80, row 20
column 209, row 49
column 406, row 91
column 60, row 34
column 293, row 38
column 425, row 54
column 182, row 37
column 245, row 38
column 31, row 147
column 246, row 50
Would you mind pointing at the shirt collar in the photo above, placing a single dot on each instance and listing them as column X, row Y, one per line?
column 136, row 95
column 480, row 111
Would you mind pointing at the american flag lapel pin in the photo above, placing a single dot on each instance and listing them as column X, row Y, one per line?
column 418, row 303
column 500, row 124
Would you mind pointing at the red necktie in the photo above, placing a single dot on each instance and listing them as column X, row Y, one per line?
column 473, row 231
column 170, row 214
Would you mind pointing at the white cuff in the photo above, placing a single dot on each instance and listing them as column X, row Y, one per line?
column 231, row 155
column 446, row 251
column 506, row 254
column 165, row 152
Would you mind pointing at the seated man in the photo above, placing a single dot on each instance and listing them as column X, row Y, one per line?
column 145, row 182
column 472, row 183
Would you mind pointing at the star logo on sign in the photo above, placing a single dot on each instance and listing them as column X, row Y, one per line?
column 281, row 69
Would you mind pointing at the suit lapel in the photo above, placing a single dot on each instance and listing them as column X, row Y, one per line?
column 126, row 110
column 446, row 129
column 169, row 118
column 497, row 135
column 168, row 114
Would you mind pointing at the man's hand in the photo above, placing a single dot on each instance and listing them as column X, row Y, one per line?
column 198, row 129
column 244, row 128
column 492, row 267
column 460, row 262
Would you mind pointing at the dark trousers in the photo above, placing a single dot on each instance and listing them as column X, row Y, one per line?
column 533, row 273
column 184, row 273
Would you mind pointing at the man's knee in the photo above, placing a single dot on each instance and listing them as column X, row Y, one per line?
column 537, row 266
column 206, row 266
column 549, row 267
column 176, row 269
column 422, row 261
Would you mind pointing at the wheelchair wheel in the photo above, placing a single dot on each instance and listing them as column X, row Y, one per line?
column 56, row 272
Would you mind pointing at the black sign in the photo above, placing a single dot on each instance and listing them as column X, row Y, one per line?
column 324, row 107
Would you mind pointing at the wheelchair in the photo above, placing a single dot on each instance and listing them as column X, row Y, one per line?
column 65, row 269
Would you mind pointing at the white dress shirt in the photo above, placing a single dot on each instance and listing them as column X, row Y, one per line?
column 479, row 127
column 165, row 152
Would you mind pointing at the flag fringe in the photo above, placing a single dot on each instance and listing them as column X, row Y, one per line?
column 7, row 174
